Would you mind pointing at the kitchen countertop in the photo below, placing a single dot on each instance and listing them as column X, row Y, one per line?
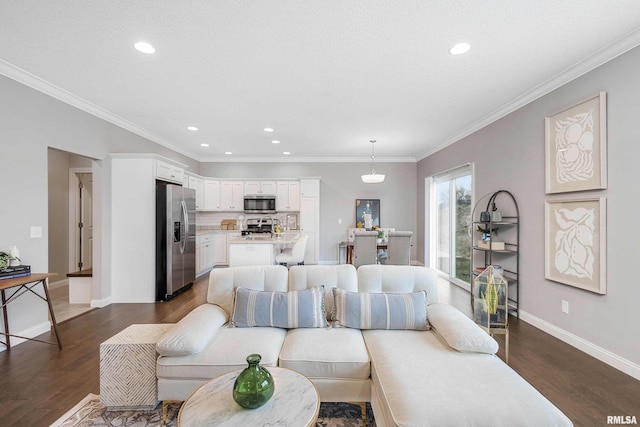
column 278, row 239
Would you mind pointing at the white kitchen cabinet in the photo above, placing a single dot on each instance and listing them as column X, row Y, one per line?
column 288, row 196
column 168, row 172
column 211, row 195
column 260, row 187
column 197, row 184
column 232, row 196
column 309, row 187
column 310, row 218
column 219, row 245
column 205, row 253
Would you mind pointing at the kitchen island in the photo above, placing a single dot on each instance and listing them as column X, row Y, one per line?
column 258, row 249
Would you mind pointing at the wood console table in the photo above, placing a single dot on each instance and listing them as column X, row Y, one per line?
column 26, row 284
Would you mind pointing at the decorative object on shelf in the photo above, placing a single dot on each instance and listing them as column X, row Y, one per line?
column 9, row 258
column 491, row 303
column 576, row 147
column 372, row 177
column 575, row 243
column 254, row 386
column 368, row 213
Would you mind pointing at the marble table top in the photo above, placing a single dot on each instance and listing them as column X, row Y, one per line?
column 295, row 403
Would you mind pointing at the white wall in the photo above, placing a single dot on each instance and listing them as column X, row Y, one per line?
column 509, row 154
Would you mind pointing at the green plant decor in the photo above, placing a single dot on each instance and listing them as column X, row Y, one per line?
column 5, row 258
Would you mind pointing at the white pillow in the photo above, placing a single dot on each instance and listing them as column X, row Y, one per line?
column 460, row 332
column 193, row 332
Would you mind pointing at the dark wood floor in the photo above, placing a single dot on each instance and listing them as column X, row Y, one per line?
column 38, row 383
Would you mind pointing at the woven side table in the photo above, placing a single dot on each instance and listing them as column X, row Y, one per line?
column 128, row 367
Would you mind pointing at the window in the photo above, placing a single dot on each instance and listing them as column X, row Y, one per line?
column 451, row 205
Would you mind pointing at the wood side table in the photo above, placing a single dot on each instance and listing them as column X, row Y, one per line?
column 295, row 402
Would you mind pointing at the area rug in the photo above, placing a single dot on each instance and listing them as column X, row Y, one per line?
column 89, row 412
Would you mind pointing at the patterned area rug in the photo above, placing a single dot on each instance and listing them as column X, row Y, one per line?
column 89, row 412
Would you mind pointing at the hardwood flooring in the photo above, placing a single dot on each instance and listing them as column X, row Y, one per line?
column 39, row 383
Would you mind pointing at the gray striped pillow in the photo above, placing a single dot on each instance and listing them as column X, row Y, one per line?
column 295, row 309
column 362, row 310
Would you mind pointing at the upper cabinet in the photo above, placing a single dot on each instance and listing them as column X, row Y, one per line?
column 232, row 196
column 260, row 187
column 288, row 196
column 168, row 172
column 197, row 184
column 212, row 195
column 309, row 187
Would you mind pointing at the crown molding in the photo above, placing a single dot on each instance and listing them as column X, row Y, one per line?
column 600, row 57
column 289, row 159
column 22, row 76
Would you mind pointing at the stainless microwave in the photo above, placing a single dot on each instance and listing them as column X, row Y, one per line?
column 259, row 203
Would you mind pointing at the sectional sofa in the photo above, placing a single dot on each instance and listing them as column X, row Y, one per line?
column 375, row 335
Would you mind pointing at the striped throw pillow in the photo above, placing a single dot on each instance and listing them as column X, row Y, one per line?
column 362, row 310
column 295, row 309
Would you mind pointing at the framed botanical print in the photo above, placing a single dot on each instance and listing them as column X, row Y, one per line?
column 575, row 243
column 576, row 147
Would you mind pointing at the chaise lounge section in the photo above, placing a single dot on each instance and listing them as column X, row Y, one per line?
column 387, row 341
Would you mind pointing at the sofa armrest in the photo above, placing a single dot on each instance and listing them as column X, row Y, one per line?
column 460, row 332
column 193, row 332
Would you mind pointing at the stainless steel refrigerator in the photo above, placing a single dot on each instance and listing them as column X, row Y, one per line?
column 175, row 239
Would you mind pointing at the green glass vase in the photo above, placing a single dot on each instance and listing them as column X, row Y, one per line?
column 254, row 386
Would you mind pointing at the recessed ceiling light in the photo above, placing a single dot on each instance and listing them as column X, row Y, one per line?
column 228, row 152
column 268, row 129
column 193, row 128
column 460, row 48
column 275, row 142
column 286, row 153
column 144, row 47
column 204, row 145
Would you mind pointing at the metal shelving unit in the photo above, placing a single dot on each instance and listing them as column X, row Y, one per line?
column 507, row 229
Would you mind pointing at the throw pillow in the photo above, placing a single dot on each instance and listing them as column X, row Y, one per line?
column 294, row 309
column 460, row 332
column 362, row 310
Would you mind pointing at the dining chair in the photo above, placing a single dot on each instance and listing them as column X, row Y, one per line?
column 295, row 254
column 365, row 248
column 399, row 248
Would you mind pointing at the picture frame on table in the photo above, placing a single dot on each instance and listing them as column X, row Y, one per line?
column 576, row 147
column 575, row 242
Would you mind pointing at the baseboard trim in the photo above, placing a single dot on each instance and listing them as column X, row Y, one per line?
column 31, row 332
column 611, row 359
column 99, row 303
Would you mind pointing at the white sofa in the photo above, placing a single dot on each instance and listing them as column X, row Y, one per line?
column 448, row 375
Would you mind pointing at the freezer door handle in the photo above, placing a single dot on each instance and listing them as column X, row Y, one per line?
column 185, row 226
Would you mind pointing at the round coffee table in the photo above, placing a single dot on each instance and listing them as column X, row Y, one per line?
column 295, row 403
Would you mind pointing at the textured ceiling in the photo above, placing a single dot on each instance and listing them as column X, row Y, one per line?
column 327, row 75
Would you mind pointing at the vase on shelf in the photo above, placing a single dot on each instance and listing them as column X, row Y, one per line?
column 254, row 386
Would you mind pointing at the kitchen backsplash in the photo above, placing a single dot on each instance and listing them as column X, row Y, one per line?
column 214, row 219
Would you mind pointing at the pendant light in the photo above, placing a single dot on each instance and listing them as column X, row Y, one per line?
column 372, row 177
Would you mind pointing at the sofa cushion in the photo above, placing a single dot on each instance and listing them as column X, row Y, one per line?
column 363, row 310
column 460, row 332
column 295, row 309
column 341, row 276
column 222, row 282
column 420, row 381
column 226, row 352
column 333, row 353
column 398, row 278
column 193, row 332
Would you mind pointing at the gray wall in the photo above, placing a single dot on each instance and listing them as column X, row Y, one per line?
column 30, row 123
column 509, row 154
column 340, row 186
